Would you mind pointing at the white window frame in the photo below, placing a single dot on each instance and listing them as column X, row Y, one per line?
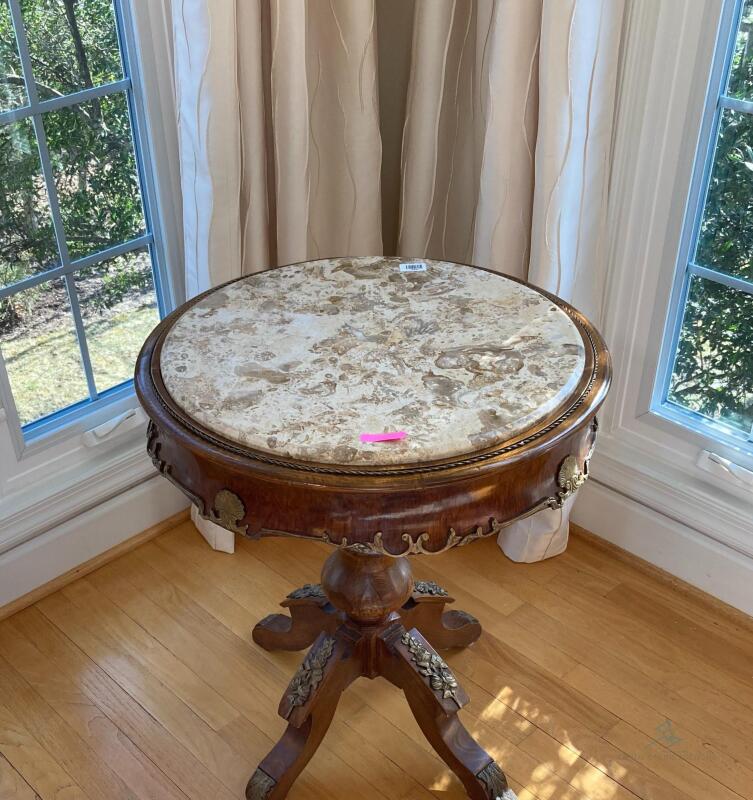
column 686, row 268
column 73, row 422
column 667, row 76
column 45, row 483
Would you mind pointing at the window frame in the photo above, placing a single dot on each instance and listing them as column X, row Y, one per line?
column 100, row 406
column 713, row 431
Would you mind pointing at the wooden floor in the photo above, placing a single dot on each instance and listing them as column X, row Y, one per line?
column 594, row 679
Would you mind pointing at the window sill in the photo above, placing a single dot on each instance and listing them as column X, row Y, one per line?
column 44, row 504
column 675, row 486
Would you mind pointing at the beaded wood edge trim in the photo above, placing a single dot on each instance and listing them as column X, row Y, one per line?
column 256, row 455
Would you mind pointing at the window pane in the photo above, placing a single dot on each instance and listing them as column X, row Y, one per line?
column 27, row 241
column 726, row 237
column 119, row 308
column 73, row 44
column 95, row 173
column 713, row 369
column 38, row 343
column 741, row 75
column 12, row 89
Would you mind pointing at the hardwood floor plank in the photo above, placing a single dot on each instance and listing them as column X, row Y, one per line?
column 89, row 771
column 719, row 737
column 603, row 621
column 665, row 732
column 141, row 681
column 671, row 767
column 109, row 654
column 96, row 729
column 587, row 550
column 716, row 648
column 178, row 763
column 154, row 654
column 12, row 784
column 478, row 673
column 33, row 762
column 673, row 657
column 592, row 781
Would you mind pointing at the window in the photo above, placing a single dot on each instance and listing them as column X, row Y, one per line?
column 79, row 259
column 707, row 377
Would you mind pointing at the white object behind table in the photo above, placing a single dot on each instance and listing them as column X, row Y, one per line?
column 543, row 535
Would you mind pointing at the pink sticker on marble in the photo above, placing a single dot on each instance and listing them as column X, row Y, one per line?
column 383, row 437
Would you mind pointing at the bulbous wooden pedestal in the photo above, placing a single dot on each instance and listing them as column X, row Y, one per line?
column 368, row 618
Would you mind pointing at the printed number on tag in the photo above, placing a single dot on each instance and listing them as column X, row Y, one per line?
column 413, row 266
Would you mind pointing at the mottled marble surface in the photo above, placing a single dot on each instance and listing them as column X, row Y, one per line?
column 300, row 361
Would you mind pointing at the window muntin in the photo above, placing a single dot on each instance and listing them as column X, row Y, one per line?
column 12, row 88
column 79, row 272
column 707, row 380
column 72, row 44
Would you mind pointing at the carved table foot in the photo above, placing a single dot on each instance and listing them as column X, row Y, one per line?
column 311, row 614
column 361, row 610
column 444, row 629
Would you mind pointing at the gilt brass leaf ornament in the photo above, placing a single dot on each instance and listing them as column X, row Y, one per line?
column 433, row 667
column 228, row 510
column 310, row 673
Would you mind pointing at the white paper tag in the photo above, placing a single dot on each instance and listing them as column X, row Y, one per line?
column 413, row 266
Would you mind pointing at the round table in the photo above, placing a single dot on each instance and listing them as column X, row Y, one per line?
column 259, row 394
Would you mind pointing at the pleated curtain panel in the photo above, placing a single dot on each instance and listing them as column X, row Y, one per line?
column 477, row 131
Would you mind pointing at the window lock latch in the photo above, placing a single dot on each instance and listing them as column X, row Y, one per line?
column 128, row 420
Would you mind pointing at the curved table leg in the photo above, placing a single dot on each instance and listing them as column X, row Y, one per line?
column 308, row 704
column 310, row 615
column 425, row 610
column 368, row 637
column 435, row 697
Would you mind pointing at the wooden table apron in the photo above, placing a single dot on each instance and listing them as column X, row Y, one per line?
column 408, row 508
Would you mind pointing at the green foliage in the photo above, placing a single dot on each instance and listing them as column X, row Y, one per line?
column 73, row 46
column 713, row 370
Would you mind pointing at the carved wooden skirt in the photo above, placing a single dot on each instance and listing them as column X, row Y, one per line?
column 264, row 397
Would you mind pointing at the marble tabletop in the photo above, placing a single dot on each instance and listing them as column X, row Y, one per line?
column 300, row 361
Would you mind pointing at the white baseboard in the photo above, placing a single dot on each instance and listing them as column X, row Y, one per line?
column 86, row 536
column 692, row 556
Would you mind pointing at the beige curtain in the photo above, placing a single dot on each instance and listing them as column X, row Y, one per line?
column 492, row 145
column 469, row 130
column 508, row 136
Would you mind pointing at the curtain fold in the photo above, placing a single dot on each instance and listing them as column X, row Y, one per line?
column 279, row 133
column 580, row 42
column 506, row 134
column 470, row 133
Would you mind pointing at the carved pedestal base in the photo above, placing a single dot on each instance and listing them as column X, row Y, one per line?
column 363, row 621
column 311, row 614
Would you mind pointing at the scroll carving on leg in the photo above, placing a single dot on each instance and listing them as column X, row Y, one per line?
column 425, row 610
column 310, row 614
